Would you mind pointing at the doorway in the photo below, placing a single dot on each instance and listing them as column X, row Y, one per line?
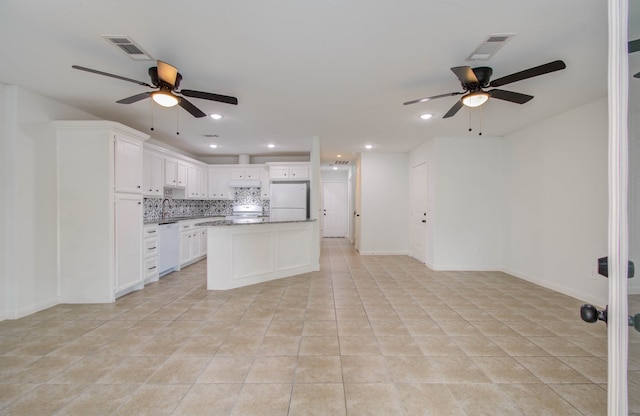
column 419, row 212
column 334, row 209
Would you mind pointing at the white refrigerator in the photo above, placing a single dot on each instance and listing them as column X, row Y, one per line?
column 289, row 201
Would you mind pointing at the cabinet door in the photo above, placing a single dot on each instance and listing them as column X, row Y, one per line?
column 195, row 244
column 238, row 173
column 182, row 174
column 265, row 185
column 128, row 239
column 193, row 185
column 171, row 172
column 299, row 172
column 152, row 178
column 212, row 184
column 128, row 165
column 203, row 242
column 252, row 173
column 185, row 247
column 224, row 192
column 278, row 172
column 204, row 191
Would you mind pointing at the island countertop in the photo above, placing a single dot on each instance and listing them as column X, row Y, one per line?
column 260, row 220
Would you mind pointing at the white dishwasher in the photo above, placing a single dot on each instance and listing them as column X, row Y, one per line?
column 168, row 247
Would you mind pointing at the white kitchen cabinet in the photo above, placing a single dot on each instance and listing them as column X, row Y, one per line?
column 241, row 173
column 128, row 242
column 193, row 182
column 193, row 244
column 150, row 252
column 170, row 172
column 291, row 171
column 218, row 183
column 203, row 180
column 153, row 174
column 181, row 173
column 265, row 184
column 100, row 230
column 128, row 164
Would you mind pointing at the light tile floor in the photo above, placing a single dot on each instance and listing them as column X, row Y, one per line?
column 367, row 335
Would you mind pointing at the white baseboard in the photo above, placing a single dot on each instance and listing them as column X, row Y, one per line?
column 383, row 253
column 557, row 288
column 30, row 309
column 457, row 268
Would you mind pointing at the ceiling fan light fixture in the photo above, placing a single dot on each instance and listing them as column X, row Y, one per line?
column 165, row 99
column 475, row 99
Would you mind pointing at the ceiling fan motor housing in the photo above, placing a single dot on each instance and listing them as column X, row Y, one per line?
column 483, row 73
column 153, row 74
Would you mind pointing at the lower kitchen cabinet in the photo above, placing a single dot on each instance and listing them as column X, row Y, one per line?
column 193, row 242
column 150, row 247
column 128, row 227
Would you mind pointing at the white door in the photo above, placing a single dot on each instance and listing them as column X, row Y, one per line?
column 419, row 213
column 128, row 240
column 335, row 208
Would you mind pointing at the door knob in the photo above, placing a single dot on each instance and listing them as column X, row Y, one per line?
column 590, row 314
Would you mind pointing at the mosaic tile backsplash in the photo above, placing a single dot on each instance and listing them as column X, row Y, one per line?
column 179, row 208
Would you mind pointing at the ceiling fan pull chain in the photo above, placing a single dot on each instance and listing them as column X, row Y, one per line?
column 151, row 101
column 480, row 133
column 469, row 112
column 177, row 122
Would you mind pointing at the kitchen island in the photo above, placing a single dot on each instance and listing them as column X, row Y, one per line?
column 245, row 253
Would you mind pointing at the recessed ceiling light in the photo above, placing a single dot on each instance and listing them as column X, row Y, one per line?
column 213, row 146
column 335, row 168
column 426, row 116
column 338, row 155
column 216, row 116
column 368, row 146
column 271, row 145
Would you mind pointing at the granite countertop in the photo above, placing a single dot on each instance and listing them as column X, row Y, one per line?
column 263, row 220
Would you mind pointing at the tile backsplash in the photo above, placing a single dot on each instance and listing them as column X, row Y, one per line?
column 179, row 208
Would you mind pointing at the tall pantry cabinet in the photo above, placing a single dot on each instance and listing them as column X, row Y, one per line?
column 100, row 210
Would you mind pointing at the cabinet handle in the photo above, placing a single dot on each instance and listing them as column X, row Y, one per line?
column 139, row 186
column 139, row 203
column 152, row 248
column 151, row 232
column 151, row 268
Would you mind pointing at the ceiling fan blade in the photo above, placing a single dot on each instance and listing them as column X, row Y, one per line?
column 529, row 73
column 106, row 74
column 634, row 45
column 453, row 110
column 167, row 73
column 637, row 75
column 422, row 100
column 514, row 97
column 134, row 98
column 465, row 74
column 210, row 96
column 195, row 111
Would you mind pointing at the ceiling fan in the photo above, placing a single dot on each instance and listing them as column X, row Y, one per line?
column 166, row 79
column 474, row 80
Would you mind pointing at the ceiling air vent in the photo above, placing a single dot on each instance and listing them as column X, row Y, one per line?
column 341, row 162
column 129, row 47
column 490, row 46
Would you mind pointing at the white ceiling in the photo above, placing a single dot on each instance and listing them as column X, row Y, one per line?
column 339, row 70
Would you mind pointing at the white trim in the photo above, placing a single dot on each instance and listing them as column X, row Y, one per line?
column 36, row 307
column 384, row 253
column 600, row 302
column 618, row 224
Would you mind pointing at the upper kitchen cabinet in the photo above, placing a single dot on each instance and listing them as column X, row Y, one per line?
column 289, row 171
column 153, row 174
column 219, row 183
column 99, row 210
column 128, row 164
column 241, row 173
column 175, row 173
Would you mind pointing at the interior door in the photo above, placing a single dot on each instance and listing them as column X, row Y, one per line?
column 334, row 209
column 419, row 217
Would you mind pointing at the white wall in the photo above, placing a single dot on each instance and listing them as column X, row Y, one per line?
column 465, row 200
column 556, row 202
column 384, row 203
column 30, row 200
